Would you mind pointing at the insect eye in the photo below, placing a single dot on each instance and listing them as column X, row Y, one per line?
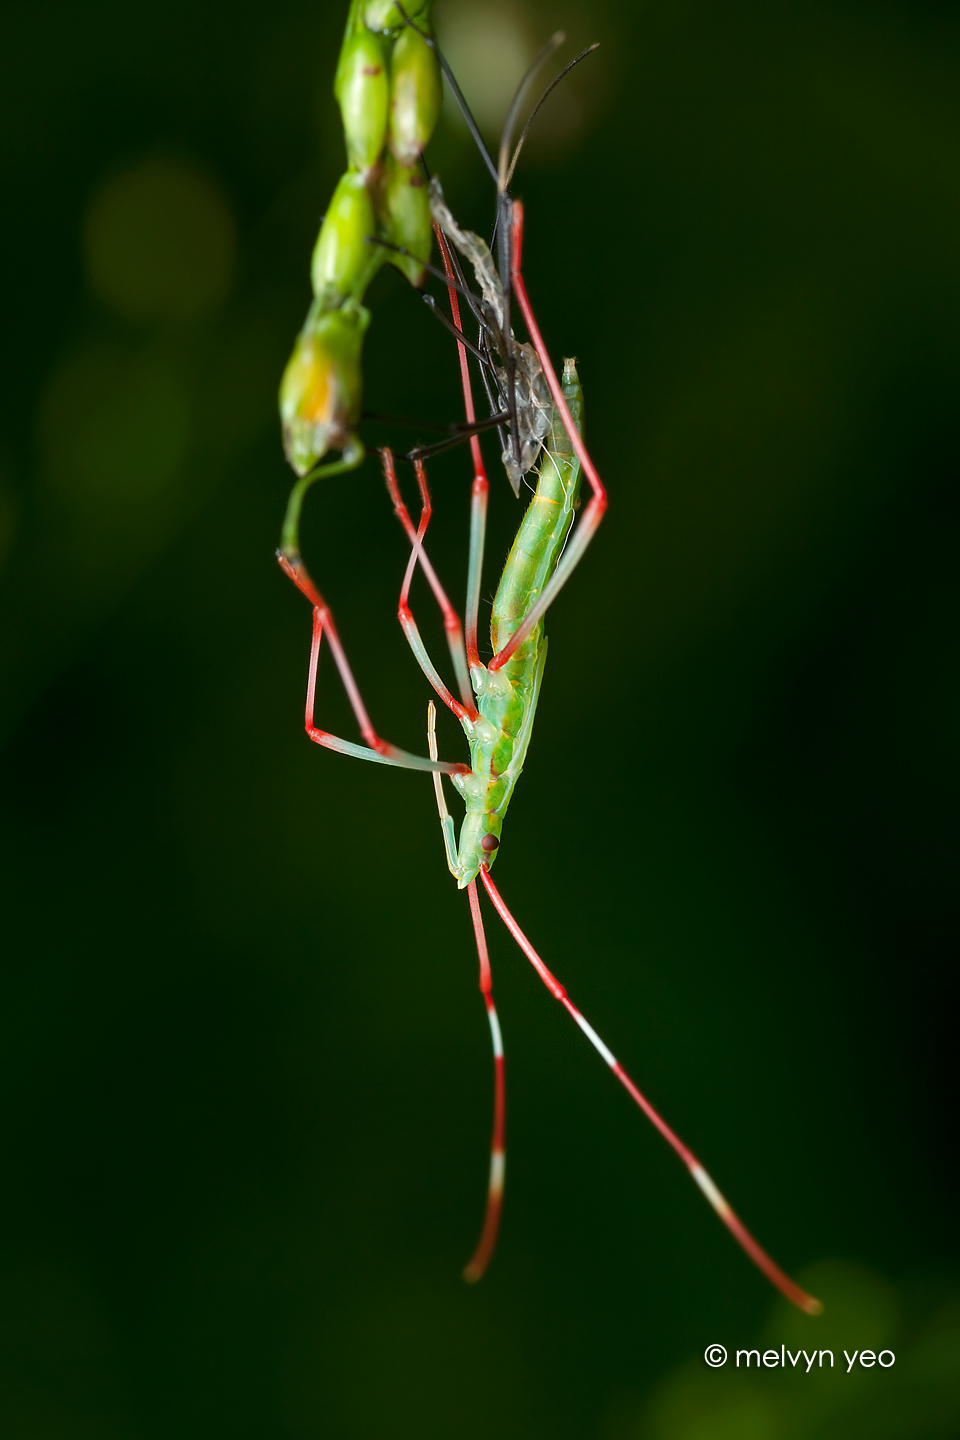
column 489, row 842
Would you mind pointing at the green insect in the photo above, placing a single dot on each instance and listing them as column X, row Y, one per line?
column 388, row 87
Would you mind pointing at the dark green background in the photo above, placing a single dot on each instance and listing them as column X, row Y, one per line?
column 245, row 1066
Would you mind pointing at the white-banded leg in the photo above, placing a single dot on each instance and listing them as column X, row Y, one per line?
column 446, row 819
column 491, row 1220
column 451, row 621
column 479, row 492
column 736, row 1227
column 376, row 749
column 498, row 1158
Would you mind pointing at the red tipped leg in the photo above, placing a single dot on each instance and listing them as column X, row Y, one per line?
column 478, row 507
column 491, row 1220
column 375, row 749
column 736, row 1227
column 586, row 527
column 451, row 621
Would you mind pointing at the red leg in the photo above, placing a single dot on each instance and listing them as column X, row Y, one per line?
column 585, row 529
column 451, row 621
column 742, row 1235
column 478, row 506
column 379, row 750
column 491, row 1220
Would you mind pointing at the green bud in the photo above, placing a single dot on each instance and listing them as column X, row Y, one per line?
column 362, row 89
column 416, row 91
column 383, row 15
column 342, row 264
column 321, row 388
column 406, row 198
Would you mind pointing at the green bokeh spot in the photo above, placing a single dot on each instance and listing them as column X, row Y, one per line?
column 159, row 243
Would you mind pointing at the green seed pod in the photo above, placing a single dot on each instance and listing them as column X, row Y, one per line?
column 406, row 198
column 383, row 15
column 362, row 89
column 321, row 388
column 416, row 91
column 342, row 264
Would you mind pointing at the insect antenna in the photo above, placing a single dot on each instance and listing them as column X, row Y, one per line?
column 536, row 109
column 502, row 227
column 542, row 55
column 503, row 205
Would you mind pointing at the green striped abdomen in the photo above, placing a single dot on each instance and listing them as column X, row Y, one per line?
column 507, row 698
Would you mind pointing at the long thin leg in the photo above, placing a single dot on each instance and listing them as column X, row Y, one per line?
column 379, row 750
column 446, row 819
column 451, row 621
column 742, row 1235
column 457, row 434
column 478, row 503
column 585, row 529
column 491, row 1220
